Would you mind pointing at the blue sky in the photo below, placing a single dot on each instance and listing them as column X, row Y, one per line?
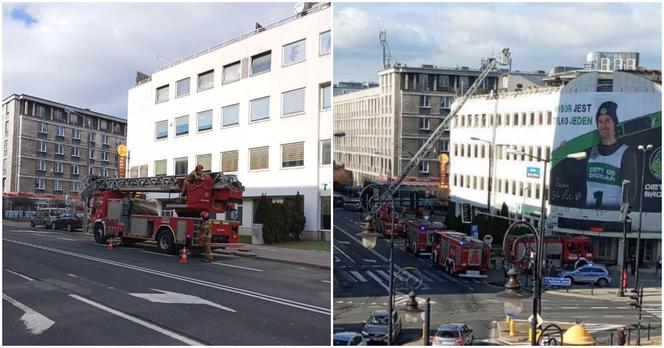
column 540, row 35
column 87, row 54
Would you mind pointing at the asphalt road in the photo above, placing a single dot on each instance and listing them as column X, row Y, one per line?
column 61, row 288
column 361, row 283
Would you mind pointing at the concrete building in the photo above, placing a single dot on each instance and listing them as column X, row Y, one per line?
column 49, row 147
column 258, row 106
column 554, row 123
column 600, row 61
column 348, row 87
column 384, row 126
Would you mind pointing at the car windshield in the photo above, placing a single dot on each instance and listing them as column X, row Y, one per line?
column 447, row 334
column 340, row 342
column 377, row 320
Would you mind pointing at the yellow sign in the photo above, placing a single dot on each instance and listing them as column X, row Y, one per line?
column 122, row 150
column 122, row 165
column 443, row 159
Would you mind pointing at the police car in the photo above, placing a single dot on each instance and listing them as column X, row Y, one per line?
column 589, row 273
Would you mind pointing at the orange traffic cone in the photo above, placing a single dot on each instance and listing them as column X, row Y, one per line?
column 183, row 255
column 110, row 244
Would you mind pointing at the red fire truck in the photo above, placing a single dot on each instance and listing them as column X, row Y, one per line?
column 460, row 254
column 116, row 212
column 420, row 235
column 560, row 251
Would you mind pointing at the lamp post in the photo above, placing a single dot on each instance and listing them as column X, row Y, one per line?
column 512, row 297
column 644, row 149
column 626, row 221
column 488, row 187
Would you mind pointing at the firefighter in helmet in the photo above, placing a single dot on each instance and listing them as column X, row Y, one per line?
column 195, row 176
column 206, row 233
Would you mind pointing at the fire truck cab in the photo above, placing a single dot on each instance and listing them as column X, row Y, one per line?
column 562, row 251
column 460, row 254
column 419, row 235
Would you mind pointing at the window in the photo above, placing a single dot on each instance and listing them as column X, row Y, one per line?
column 76, row 134
column 325, row 43
column 230, row 115
column 160, row 167
column 182, row 125
column 41, row 165
column 61, row 131
column 104, row 156
column 162, row 95
column 74, row 152
column 39, row 184
column 92, row 154
column 40, row 110
column 161, row 130
column 424, row 123
column 204, row 120
column 292, row 102
column 91, row 137
column 43, row 127
column 604, row 64
column 73, row 118
column 205, row 160
column 74, row 169
column 326, row 152
column 445, row 102
column 325, row 96
column 443, row 81
column 58, row 167
column 293, row 53
column 103, row 125
column 104, row 172
column 57, row 185
column 260, row 109
column 181, row 165
column 41, row 146
column 258, row 158
column 424, row 167
column 231, row 72
column 57, row 114
column 261, row 62
column 292, row 155
column 74, row 186
column 205, row 80
column 182, row 87
column 133, row 172
column 229, row 160
column 425, row 101
column 59, row 149
column 104, row 139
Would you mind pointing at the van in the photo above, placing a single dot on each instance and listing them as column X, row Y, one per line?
column 45, row 217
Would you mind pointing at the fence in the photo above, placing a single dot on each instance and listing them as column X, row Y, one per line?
column 17, row 214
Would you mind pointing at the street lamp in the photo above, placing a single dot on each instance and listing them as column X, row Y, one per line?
column 626, row 221
column 644, row 149
column 512, row 297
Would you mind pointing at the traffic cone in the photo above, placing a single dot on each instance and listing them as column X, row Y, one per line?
column 110, row 244
column 183, row 255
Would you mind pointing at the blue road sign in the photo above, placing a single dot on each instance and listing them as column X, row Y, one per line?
column 533, row 172
column 475, row 231
column 552, row 281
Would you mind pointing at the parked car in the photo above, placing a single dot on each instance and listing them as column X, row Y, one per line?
column 45, row 217
column 352, row 205
column 348, row 339
column 453, row 334
column 67, row 221
column 376, row 327
column 590, row 273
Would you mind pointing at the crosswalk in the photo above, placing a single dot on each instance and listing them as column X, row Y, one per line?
column 382, row 277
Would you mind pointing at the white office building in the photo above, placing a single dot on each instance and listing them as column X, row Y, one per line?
column 560, row 123
column 257, row 106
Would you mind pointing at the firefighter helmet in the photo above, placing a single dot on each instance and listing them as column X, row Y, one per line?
column 204, row 214
column 199, row 167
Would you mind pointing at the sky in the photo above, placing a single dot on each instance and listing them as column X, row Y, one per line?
column 539, row 35
column 87, row 55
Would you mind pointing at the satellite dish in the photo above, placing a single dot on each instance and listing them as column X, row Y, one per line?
column 299, row 7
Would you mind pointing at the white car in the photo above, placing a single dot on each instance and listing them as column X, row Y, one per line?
column 348, row 339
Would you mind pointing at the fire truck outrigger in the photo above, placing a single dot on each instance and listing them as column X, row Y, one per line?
column 116, row 212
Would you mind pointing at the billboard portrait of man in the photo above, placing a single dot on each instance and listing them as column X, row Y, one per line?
column 609, row 163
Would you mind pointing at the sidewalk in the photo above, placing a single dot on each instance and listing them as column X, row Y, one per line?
column 312, row 258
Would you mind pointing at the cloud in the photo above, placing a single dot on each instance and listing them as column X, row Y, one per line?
column 87, row 54
column 540, row 35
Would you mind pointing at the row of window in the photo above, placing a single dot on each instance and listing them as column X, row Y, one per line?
column 59, row 149
column 57, row 114
column 445, row 101
column 503, row 151
column 292, row 53
column 515, row 119
column 59, row 167
column 292, row 103
column 42, row 128
column 511, row 187
column 292, row 156
column 40, row 184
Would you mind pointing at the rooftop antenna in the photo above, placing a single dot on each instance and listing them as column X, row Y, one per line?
column 387, row 55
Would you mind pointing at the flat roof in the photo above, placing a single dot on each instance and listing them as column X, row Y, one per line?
column 65, row 106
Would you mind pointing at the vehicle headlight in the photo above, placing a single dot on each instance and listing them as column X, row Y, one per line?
column 364, row 333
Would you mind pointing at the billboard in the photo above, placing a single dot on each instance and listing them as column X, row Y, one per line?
column 607, row 128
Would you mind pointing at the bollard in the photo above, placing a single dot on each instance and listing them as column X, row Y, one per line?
column 648, row 331
column 629, row 336
column 512, row 329
column 592, row 288
column 611, row 339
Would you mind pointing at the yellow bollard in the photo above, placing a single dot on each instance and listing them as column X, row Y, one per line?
column 507, row 320
column 530, row 334
column 512, row 328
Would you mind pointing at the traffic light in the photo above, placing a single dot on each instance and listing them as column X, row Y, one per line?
column 466, row 213
column 636, row 299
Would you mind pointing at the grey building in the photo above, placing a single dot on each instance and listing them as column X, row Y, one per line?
column 49, row 147
column 348, row 87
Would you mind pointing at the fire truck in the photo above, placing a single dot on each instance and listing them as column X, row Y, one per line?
column 560, row 251
column 117, row 211
column 420, row 235
column 385, row 221
column 460, row 254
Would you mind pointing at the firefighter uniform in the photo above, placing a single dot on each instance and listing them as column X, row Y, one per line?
column 206, row 233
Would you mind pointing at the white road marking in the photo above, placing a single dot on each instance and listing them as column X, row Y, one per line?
column 384, row 275
column 581, row 316
column 200, row 282
column 613, row 316
column 33, row 321
column 342, row 241
column 359, row 276
column 369, row 260
column 153, row 252
column 63, row 238
column 344, row 254
column 151, row 326
column 242, row 267
column 379, row 281
column 599, row 307
column 175, row 297
column 569, row 307
column 19, row 274
column 326, row 281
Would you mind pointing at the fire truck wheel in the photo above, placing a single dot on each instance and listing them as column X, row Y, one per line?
column 99, row 234
column 165, row 242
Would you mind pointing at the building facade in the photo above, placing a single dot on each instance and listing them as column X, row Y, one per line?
column 385, row 126
column 49, row 147
column 559, row 123
column 348, row 87
column 258, row 106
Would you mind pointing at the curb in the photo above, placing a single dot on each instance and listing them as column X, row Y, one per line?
column 292, row 262
column 613, row 297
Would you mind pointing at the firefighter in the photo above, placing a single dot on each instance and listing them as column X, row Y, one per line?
column 206, row 233
column 195, row 176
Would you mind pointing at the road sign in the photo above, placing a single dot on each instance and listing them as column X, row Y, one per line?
column 475, row 231
column 533, row 172
column 553, row 281
column 539, row 320
column 488, row 239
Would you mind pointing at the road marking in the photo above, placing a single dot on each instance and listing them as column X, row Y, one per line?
column 383, row 258
column 569, row 307
column 435, row 276
column 599, row 307
column 153, row 252
column 326, row 281
column 344, row 254
column 378, row 280
column 581, row 316
column 336, row 259
column 19, row 274
column 200, row 282
column 613, row 316
column 242, row 267
column 176, row 297
column 32, row 320
column 369, row 260
column 359, row 276
column 345, row 242
column 63, row 238
column 151, row 326
column 384, row 274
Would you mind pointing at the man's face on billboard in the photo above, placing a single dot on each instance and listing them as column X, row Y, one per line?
column 607, row 129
